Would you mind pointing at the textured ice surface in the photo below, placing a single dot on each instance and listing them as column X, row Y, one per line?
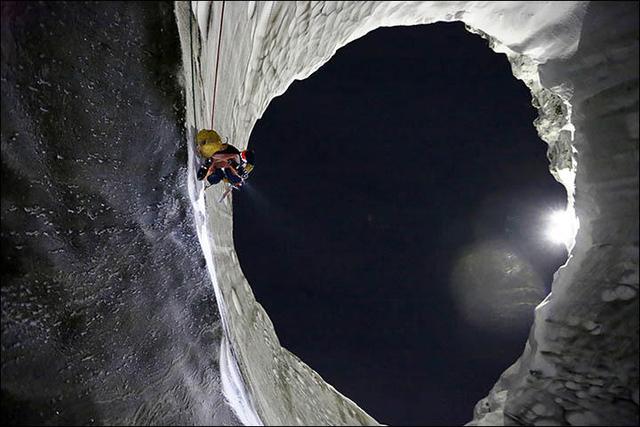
column 580, row 62
column 106, row 311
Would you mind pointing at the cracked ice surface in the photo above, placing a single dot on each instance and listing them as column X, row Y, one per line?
column 580, row 61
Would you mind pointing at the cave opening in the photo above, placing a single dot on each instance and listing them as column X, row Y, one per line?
column 393, row 228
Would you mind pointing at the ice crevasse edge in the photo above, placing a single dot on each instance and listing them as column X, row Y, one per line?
column 580, row 61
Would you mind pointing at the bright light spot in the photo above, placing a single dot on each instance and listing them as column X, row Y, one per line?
column 561, row 227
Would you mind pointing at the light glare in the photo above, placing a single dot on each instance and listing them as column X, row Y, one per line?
column 561, row 227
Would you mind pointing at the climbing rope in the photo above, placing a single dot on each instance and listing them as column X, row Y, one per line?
column 215, row 82
column 193, row 90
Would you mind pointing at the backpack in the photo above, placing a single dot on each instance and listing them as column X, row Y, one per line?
column 209, row 143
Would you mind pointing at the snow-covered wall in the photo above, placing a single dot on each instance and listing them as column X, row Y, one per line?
column 580, row 61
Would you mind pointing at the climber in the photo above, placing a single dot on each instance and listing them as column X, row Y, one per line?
column 229, row 165
column 224, row 161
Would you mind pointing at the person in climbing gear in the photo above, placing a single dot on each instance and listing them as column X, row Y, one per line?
column 224, row 161
column 230, row 165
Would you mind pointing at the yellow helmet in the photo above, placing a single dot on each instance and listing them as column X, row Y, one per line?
column 209, row 142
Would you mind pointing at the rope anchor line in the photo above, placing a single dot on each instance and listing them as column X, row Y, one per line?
column 193, row 86
column 215, row 81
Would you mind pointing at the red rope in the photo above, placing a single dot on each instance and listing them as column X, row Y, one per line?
column 215, row 82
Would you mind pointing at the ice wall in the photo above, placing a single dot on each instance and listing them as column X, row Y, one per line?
column 580, row 61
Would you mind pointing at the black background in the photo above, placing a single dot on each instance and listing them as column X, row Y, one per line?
column 372, row 175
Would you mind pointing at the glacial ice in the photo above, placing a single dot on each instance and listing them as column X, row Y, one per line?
column 580, row 61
